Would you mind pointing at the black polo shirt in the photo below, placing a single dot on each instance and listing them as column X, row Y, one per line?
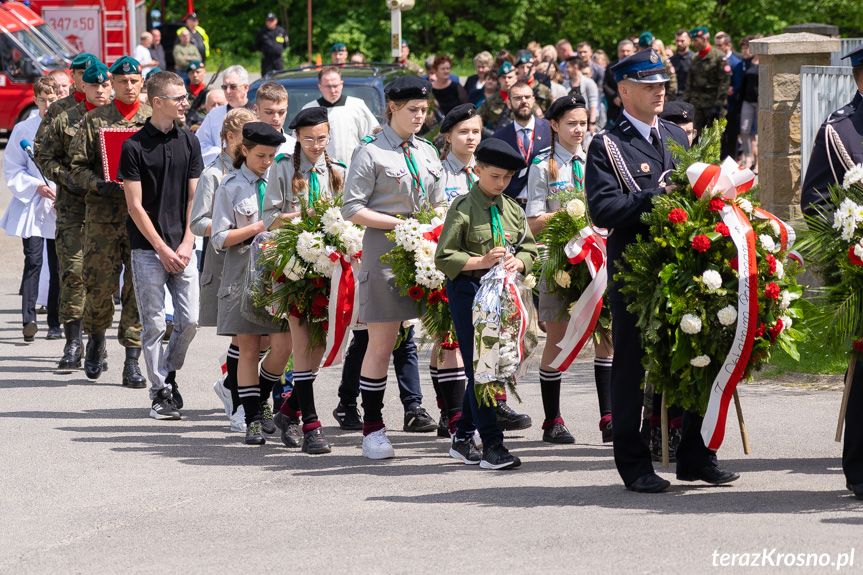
column 164, row 164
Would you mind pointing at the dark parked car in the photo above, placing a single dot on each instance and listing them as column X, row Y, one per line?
column 365, row 82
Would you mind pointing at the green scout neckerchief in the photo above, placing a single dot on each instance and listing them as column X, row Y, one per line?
column 413, row 169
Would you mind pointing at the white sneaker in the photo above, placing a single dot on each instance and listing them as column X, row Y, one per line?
column 224, row 394
column 238, row 420
column 377, row 445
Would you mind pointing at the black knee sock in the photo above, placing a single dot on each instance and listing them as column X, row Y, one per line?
column 251, row 399
column 372, row 391
column 549, row 386
column 304, row 390
column 602, row 375
column 266, row 381
column 452, row 384
column 231, row 374
column 433, row 372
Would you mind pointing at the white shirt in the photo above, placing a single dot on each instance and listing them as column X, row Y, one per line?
column 349, row 124
column 208, row 134
column 142, row 55
column 28, row 213
column 643, row 129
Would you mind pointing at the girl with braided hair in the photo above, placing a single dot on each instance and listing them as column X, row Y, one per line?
column 554, row 169
column 310, row 174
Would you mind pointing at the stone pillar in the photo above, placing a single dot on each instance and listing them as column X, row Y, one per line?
column 779, row 115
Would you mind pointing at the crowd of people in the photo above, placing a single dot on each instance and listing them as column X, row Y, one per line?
column 527, row 125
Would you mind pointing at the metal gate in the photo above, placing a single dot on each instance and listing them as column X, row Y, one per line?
column 823, row 89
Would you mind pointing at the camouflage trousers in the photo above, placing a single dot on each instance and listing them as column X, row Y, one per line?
column 70, row 261
column 704, row 117
column 106, row 253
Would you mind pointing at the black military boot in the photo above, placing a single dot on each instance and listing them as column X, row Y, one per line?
column 74, row 349
column 93, row 360
column 131, row 372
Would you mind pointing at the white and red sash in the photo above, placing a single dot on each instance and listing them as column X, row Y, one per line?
column 343, row 308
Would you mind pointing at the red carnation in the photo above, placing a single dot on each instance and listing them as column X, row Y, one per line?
column 281, row 279
column 732, row 263
column 771, row 262
column 759, row 331
column 443, row 294
column 319, row 282
column 416, row 293
column 677, row 216
column 318, row 311
column 434, row 298
column 771, row 291
column 321, row 301
column 775, row 330
column 325, row 325
column 716, row 204
column 701, row 243
column 722, row 229
column 295, row 312
column 858, row 344
column 853, row 257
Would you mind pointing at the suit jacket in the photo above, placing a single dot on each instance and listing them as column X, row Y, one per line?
column 541, row 140
column 617, row 202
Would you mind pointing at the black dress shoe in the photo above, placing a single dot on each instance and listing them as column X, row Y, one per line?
column 708, row 473
column 856, row 489
column 508, row 419
column 650, row 483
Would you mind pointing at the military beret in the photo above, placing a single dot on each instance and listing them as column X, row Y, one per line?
column 645, row 67
column 124, row 66
column 678, row 112
column 155, row 70
column 855, row 55
column 524, row 59
column 338, row 46
column 96, row 74
column 408, row 87
column 458, row 114
column 309, row 117
column 83, row 61
column 646, row 40
column 699, row 32
column 263, row 134
column 505, row 68
column 497, row 153
column 405, row 43
column 561, row 105
column 194, row 65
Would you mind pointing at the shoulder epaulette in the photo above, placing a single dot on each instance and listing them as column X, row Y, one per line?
column 340, row 163
column 429, row 143
column 281, row 157
column 457, row 200
column 370, row 138
column 841, row 114
column 543, row 154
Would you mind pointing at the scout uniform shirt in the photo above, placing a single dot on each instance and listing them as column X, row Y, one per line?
column 540, row 191
column 467, row 231
column 280, row 197
column 86, row 164
column 458, row 179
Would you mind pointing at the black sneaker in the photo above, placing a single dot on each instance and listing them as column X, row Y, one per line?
column 418, row 420
column 54, row 333
column 509, row 420
column 656, row 444
column 267, row 423
column 175, row 395
column 163, row 407
column 443, row 425
column 465, row 450
column 315, row 443
column 348, row 416
column 254, row 435
column 607, row 435
column 557, row 433
column 498, row 457
column 292, row 436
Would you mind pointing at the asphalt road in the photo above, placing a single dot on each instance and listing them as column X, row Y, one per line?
column 90, row 484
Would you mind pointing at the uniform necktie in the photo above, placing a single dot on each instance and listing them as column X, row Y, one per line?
column 496, row 227
column 657, row 141
column 314, row 186
column 262, row 189
column 526, row 142
column 470, row 177
column 577, row 174
column 412, row 168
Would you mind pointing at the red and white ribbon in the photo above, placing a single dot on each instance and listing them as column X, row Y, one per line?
column 587, row 247
column 787, row 235
column 343, row 308
column 729, row 180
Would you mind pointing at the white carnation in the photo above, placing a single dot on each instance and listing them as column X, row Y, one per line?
column 530, row 281
column 777, row 230
column 352, row 238
column 712, row 280
column 767, row 242
column 690, row 324
column 575, row 208
column 727, row 315
column 700, row 361
column 310, row 245
column 408, row 235
column 562, row 278
column 324, row 265
column 780, row 270
column 853, row 176
column 332, row 222
column 786, row 322
column 745, row 205
column 784, row 300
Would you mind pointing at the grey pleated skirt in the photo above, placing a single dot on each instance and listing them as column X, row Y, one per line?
column 379, row 297
column 211, row 280
column 231, row 293
column 551, row 307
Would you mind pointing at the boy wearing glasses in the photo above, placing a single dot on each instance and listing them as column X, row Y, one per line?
column 159, row 167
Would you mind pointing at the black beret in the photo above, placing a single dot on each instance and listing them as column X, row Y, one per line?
column 559, row 107
column 408, row 87
column 678, row 112
column 458, row 114
column 263, row 134
column 309, row 117
column 497, row 153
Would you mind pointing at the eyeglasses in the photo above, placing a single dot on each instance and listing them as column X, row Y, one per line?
column 178, row 99
column 691, row 133
column 227, row 87
column 320, row 141
column 48, row 101
column 521, row 98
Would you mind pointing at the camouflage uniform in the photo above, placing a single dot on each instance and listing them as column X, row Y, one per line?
column 491, row 110
column 51, row 114
column 54, row 157
column 106, row 242
column 707, row 87
column 671, row 85
column 542, row 94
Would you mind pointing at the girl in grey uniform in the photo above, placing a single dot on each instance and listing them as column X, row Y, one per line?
column 236, row 221
column 309, row 174
column 561, row 165
column 393, row 173
column 211, row 275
